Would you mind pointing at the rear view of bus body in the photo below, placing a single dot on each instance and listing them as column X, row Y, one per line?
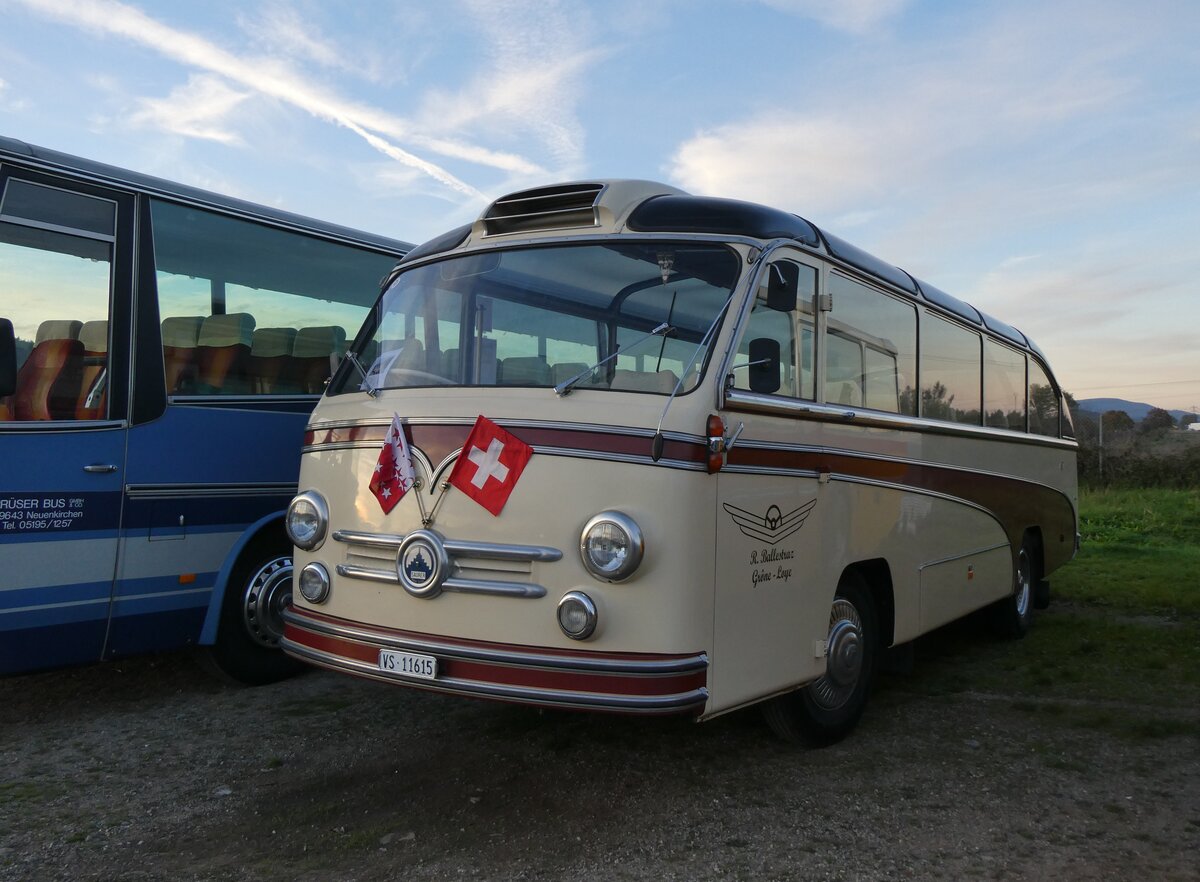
column 670, row 454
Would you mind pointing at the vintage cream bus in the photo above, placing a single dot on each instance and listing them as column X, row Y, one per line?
column 616, row 447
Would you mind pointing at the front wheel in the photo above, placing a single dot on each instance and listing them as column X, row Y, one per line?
column 251, row 625
column 826, row 710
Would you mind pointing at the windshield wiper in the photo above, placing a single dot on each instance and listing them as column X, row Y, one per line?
column 567, row 385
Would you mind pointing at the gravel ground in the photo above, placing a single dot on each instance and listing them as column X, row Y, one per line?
column 154, row 770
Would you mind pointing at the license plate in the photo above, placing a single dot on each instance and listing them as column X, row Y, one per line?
column 408, row 664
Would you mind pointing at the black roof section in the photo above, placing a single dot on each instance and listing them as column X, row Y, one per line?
column 50, row 160
column 705, row 214
column 444, row 242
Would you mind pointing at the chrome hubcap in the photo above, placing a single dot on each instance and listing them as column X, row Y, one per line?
column 844, row 657
column 267, row 594
column 1024, row 583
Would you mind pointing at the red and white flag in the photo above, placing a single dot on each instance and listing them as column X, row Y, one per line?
column 490, row 464
column 394, row 475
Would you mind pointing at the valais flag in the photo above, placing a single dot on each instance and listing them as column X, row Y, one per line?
column 394, row 474
column 490, row 464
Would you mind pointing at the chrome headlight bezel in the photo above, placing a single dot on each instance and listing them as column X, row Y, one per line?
column 631, row 538
column 580, row 601
column 318, row 571
column 312, row 504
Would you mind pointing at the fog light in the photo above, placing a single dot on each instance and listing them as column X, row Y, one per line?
column 611, row 546
column 314, row 583
column 577, row 615
column 307, row 519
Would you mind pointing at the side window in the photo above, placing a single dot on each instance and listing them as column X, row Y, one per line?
column 951, row 371
column 55, row 286
column 249, row 309
column 1003, row 386
column 776, row 352
column 871, row 349
column 1043, row 402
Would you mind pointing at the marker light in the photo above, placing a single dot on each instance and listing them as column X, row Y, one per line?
column 577, row 615
column 715, row 429
column 611, row 546
column 314, row 583
column 307, row 520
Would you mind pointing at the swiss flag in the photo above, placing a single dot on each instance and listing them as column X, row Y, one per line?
column 490, row 464
column 394, row 474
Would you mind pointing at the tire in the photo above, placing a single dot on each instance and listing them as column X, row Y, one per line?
column 260, row 586
column 826, row 710
column 1012, row 616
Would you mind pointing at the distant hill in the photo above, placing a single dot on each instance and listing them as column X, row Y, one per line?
column 1136, row 409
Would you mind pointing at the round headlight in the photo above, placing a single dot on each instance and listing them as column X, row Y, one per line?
column 611, row 546
column 307, row 520
column 577, row 615
column 314, row 583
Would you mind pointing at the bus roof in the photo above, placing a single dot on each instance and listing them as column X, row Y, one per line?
column 51, row 160
column 618, row 206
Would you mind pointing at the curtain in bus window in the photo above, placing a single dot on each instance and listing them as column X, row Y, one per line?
column 55, row 290
column 951, row 371
column 871, row 351
column 1003, row 386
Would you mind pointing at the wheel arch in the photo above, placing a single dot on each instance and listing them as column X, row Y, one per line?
column 260, row 528
column 878, row 578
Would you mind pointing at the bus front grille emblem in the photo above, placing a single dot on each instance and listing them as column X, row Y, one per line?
column 422, row 563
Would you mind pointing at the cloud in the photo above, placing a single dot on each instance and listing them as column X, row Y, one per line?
column 8, row 103
column 196, row 110
column 855, row 16
column 532, row 79
column 272, row 78
column 283, row 30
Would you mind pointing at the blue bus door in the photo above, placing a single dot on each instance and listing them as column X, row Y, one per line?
column 59, row 526
column 65, row 280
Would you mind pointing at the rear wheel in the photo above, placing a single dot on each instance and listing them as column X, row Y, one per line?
column 1011, row 616
column 251, row 625
column 826, row 710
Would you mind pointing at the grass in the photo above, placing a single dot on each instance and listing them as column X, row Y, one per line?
column 1119, row 648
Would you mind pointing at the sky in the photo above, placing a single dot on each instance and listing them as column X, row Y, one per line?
column 1037, row 158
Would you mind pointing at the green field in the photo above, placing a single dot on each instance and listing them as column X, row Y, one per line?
column 1119, row 647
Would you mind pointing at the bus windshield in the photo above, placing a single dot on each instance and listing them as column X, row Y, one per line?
column 541, row 316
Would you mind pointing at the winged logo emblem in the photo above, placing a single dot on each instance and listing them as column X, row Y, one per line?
column 772, row 527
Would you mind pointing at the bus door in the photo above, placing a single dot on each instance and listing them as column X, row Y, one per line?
column 769, row 587
column 65, row 278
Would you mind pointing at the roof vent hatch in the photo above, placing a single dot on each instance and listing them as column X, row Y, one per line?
column 546, row 208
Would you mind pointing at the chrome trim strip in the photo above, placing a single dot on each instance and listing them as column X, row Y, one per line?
column 457, row 547
column 740, row 399
column 677, row 703
column 633, row 431
column 174, row 491
column 367, row 574
column 581, row 663
column 463, row 586
column 494, row 587
column 965, row 554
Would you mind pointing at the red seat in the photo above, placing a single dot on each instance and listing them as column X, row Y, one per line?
column 179, row 336
column 223, row 354
column 93, row 387
column 270, row 357
column 48, row 382
column 314, row 356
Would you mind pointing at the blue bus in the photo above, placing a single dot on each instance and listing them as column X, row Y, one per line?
column 161, row 348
